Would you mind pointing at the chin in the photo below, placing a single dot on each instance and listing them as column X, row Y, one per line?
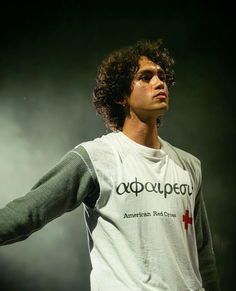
column 163, row 108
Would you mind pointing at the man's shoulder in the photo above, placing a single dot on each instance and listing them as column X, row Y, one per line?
column 181, row 156
column 98, row 153
column 97, row 147
column 98, row 143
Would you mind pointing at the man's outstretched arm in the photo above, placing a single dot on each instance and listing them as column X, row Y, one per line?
column 62, row 189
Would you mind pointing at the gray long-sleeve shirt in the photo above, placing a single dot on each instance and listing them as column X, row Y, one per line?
column 145, row 214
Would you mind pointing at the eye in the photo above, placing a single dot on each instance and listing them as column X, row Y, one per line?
column 162, row 76
column 146, row 77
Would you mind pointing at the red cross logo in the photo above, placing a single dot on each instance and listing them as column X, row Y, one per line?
column 186, row 219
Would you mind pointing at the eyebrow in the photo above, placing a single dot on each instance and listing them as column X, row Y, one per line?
column 150, row 70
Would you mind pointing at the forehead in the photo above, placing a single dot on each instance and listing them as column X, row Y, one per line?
column 145, row 63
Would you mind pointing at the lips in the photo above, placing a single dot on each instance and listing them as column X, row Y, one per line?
column 161, row 95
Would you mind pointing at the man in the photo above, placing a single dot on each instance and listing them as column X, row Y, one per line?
column 144, row 209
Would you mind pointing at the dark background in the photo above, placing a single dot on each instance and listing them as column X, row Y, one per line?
column 49, row 56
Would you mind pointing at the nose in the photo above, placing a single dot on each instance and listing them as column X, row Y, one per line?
column 157, row 82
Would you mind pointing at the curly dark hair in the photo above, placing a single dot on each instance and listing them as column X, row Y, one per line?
column 115, row 76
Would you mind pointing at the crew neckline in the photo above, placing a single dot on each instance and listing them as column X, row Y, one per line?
column 147, row 151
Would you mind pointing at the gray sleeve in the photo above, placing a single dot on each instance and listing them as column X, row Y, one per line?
column 68, row 184
column 206, row 256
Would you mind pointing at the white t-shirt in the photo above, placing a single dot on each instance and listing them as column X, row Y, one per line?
column 141, row 230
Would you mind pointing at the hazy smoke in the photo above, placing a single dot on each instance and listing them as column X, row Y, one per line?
column 37, row 129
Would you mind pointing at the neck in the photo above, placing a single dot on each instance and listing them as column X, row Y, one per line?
column 144, row 133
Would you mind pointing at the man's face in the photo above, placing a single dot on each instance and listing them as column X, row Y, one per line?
column 149, row 97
